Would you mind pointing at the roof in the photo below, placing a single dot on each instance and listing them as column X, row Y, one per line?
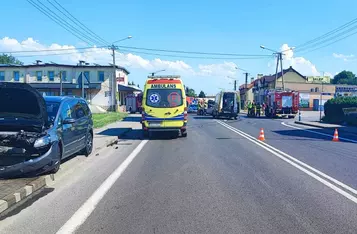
column 271, row 78
column 59, row 98
column 125, row 88
column 62, row 65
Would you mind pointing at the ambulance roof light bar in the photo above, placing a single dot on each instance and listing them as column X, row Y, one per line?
column 164, row 77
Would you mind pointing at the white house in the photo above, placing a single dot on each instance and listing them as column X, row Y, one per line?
column 46, row 78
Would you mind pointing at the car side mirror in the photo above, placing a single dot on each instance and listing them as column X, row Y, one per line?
column 69, row 121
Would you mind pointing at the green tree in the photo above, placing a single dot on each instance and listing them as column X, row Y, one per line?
column 9, row 59
column 202, row 94
column 190, row 92
column 345, row 77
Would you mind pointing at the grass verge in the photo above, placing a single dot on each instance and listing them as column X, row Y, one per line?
column 103, row 119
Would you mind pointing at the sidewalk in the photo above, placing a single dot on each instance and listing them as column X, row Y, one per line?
column 110, row 134
column 347, row 129
column 14, row 191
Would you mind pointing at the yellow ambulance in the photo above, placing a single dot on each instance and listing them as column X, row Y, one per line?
column 164, row 105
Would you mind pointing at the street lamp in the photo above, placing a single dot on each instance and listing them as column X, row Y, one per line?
column 153, row 73
column 126, row 38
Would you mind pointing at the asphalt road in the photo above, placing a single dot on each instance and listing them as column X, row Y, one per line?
column 217, row 180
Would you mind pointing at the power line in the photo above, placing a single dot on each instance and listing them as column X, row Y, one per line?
column 195, row 57
column 77, row 22
column 50, row 50
column 68, row 24
column 305, row 52
column 328, row 39
column 188, row 52
column 61, row 22
column 311, row 44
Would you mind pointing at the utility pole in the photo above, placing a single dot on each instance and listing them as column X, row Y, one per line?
column 276, row 71
column 322, row 89
column 114, row 82
column 61, row 83
column 81, row 62
column 235, row 85
column 82, row 85
column 246, row 86
column 282, row 71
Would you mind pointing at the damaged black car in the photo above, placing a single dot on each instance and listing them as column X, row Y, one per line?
column 37, row 132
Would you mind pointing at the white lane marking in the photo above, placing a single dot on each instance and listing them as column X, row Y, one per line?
column 88, row 207
column 294, row 162
column 320, row 133
column 300, row 162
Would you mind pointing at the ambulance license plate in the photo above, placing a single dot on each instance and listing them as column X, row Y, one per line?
column 155, row 124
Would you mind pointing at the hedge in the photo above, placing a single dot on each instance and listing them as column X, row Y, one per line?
column 333, row 109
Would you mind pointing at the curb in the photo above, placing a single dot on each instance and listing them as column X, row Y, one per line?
column 115, row 140
column 19, row 196
column 22, row 194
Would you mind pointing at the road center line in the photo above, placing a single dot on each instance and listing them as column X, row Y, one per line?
column 320, row 133
column 294, row 162
column 88, row 207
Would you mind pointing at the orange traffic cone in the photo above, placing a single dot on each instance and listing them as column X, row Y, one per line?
column 261, row 135
column 335, row 136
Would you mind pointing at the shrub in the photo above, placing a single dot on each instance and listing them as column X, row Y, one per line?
column 334, row 110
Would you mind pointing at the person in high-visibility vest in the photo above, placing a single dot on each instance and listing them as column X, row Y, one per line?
column 250, row 107
column 259, row 108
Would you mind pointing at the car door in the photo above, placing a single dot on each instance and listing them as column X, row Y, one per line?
column 76, row 126
column 81, row 124
column 68, row 135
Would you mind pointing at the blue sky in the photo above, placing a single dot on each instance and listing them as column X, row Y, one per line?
column 208, row 26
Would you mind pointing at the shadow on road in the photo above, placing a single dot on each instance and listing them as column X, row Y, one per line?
column 137, row 134
column 132, row 119
column 304, row 134
column 202, row 117
column 113, row 131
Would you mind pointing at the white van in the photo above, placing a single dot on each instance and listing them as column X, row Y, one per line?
column 227, row 104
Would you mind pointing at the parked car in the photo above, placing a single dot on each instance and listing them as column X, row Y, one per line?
column 37, row 132
column 210, row 107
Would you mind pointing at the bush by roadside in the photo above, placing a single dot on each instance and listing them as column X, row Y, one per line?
column 334, row 110
column 103, row 119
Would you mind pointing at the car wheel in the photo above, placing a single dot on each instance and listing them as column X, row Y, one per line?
column 184, row 133
column 89, row 144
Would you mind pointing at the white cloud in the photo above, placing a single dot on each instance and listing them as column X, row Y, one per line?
column 71, row 54
column 301, row 64
column 343, row 57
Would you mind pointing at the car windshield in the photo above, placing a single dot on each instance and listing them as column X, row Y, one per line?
column 162, row 98
column 52, row 110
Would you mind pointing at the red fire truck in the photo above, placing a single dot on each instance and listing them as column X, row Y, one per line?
column 281, row 103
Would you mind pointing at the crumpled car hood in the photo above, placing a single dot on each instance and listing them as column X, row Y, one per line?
column 22, row 108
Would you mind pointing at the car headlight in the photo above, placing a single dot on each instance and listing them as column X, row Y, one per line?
column 43, row 141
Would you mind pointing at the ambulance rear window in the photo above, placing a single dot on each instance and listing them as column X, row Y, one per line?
column 163, row 98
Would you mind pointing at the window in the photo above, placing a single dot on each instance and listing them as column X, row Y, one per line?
column 39, row 75
column 65, row 111
column 85, row 108
column 51, row 75
column 101, row 76
column 161, row 98
column 16, row 76
column 52, row 109
column 2, row 76
column 79, row 111
column 63, row 75
column 73, row 106
column 86, row 76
